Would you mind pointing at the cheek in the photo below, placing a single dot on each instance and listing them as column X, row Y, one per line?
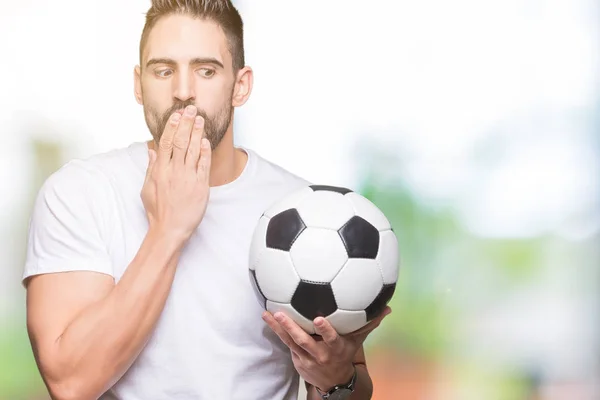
column 155, row 106
column 213, row 95
column 157, row 95
column 211, row 105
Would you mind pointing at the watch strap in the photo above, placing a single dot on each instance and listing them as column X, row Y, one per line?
column 345, row 386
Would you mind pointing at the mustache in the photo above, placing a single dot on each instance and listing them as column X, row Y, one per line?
column 180, row 106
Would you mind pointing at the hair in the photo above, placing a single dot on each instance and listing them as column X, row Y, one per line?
column 220, row 11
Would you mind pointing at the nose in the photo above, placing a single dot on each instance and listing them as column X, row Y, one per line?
column 184, row 87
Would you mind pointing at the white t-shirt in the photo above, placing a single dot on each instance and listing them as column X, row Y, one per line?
column 210, row 341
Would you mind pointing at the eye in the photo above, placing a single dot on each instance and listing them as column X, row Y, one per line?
column 164, row 73
column 207, row 72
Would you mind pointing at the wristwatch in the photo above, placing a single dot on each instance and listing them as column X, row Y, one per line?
column 340, row 392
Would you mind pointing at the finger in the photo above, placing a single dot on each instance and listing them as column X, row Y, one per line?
column 165, row 146
column 298, row 334
column 205, row 161
column 361, row 334
column 181, row 140
column 193, row 153
column 283, row 335
column 327, row 332
column 374, row 323
column 151, row 161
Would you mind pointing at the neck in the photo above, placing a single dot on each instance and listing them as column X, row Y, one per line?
column 227, row 162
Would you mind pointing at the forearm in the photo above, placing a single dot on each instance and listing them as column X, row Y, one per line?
column 363, row 386
column 99, row 345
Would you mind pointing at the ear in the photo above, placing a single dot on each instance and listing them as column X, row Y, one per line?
column 137, row 89
column 243, row 86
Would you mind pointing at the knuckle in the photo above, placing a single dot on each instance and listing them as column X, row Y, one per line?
column 165, row 145
column 180, row 143
column 323, row 359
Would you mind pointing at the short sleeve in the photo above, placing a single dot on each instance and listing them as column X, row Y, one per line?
column 69, row 223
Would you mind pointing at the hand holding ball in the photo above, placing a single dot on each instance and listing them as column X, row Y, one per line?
column 324, row 251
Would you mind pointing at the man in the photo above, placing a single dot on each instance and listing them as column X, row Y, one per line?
column 136, row 273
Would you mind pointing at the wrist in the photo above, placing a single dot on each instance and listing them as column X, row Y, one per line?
column 342, row 376
column 163, row 235
column 166, row 242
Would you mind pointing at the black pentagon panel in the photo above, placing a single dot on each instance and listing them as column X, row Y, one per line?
column 382, row 299
column 337, row 189
column 283, row 229
column 360, row 238
column 314, row 300
column 262, row 300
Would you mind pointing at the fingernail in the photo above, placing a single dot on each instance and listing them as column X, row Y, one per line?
column 198, row 122
column 189, row 110
column 279, row 317
column 175, row 117
column 319, row 322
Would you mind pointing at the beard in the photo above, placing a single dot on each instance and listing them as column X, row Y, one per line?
column 214, row 126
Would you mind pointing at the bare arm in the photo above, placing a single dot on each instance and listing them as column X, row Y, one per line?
column 86, row 330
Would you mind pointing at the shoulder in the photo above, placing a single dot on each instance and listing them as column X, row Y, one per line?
column 269, row 173
column 269, row 182
column 86, row 179
column 72, row 220
column 94, row 169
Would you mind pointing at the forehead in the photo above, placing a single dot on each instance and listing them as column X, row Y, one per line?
column 183, row 38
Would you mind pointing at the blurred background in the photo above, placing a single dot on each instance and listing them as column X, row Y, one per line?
column 473, row 124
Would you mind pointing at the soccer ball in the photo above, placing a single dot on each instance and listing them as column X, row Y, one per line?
column 324, row 251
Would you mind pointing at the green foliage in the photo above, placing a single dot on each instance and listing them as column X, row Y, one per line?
column 436, row 252
column 518, row 259
column 419, row 323
column 19, row 376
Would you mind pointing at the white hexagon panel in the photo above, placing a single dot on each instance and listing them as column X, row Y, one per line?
column 357, row 285
column 288, row 310
column 388, row 257
column 258, row 243
column 318, row 254
column 347, row 321
column 277, row 276
column 365, row 208
column 325, row 209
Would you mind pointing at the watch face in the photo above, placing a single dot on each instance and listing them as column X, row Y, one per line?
column 340, row 394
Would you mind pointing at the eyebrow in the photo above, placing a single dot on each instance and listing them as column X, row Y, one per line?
column 194, row 61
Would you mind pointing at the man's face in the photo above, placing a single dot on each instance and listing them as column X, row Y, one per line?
column 187, row 61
